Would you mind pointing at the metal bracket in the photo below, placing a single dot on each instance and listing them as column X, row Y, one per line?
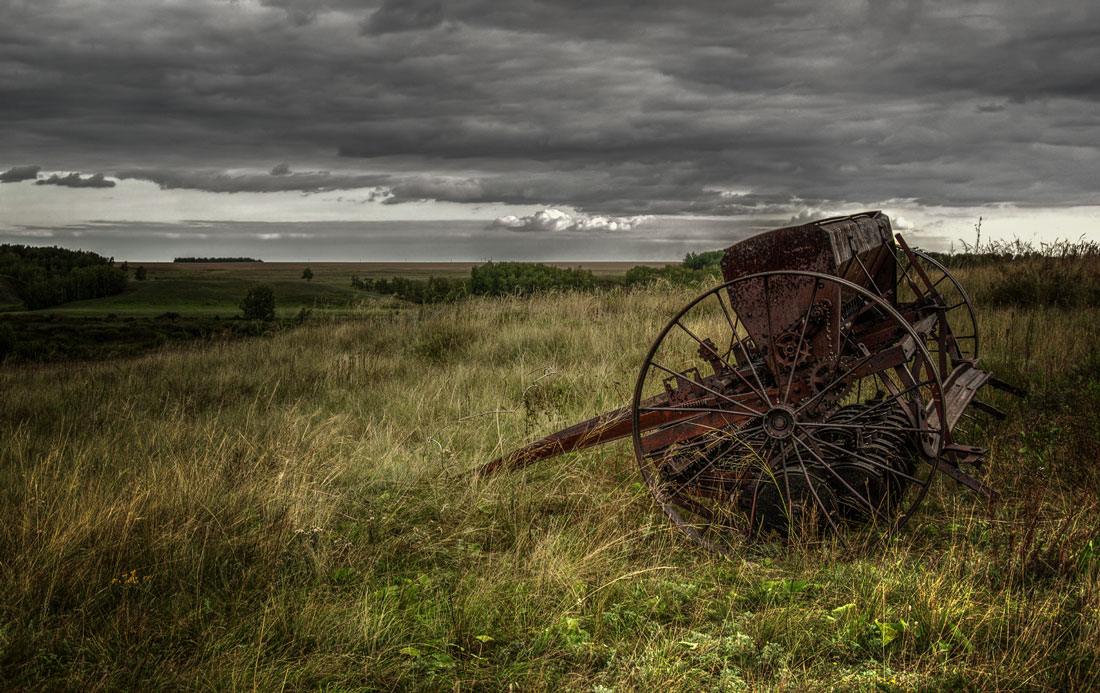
column 966, row 480
column 1011, row 389
column 989, row 409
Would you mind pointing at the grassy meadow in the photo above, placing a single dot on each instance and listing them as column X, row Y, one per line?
column 201, row 301
column 215, row 289
column 288, row 512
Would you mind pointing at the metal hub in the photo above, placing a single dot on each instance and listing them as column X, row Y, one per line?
column 779, row 422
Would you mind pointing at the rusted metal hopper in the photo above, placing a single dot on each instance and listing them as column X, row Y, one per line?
column 817, row 391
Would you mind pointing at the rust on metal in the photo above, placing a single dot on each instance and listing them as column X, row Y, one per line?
column 818, row 389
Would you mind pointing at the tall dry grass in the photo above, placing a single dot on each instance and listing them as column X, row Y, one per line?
column 289, row 513
column 1060, row 274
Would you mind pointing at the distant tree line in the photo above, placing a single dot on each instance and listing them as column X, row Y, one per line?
column 526, row 278
column 44, row 277
column 216, row 259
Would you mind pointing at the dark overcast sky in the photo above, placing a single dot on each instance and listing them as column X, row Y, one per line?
column 344, row 110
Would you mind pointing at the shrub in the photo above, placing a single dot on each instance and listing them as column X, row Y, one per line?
column 525, row 278
column 259, row 303
column 704, row 260
column 7, row 340
column 674, row 274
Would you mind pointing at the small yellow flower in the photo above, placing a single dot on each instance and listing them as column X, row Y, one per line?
column 131, row 578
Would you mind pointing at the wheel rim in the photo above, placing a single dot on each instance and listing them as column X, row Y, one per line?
column 960, row 318
column 939, row 285
column 752, row 439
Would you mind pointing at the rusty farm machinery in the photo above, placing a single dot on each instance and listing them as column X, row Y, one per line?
column 818, row 390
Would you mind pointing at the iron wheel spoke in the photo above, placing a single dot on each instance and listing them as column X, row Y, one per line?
column 867, row 502
column 817, row 498
column 798, row 349
column 704, row 345
column 710, row 390
column 725, row 363
column 825, row 389
column 763, row 391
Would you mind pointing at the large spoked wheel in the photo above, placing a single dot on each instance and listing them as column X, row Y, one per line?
column 791, row 405
column 957, row 336
column 924, row 278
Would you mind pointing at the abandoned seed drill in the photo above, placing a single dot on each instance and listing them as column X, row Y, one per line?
column 820, row 388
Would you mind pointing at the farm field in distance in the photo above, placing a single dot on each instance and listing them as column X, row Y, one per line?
column 288, row 511
column 189, row 301
column 207, row 289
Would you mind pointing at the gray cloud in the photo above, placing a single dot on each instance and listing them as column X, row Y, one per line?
column 389, row 241
column 280, row 179
column 298, row 12
column 75, row 180
column 16, row 174
column 404, row 15
column 617, row 108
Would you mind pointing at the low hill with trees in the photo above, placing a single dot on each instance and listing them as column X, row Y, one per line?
column 44, row 277
column 216, row 259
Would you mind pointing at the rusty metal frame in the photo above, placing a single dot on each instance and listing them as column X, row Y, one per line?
column 811, row 301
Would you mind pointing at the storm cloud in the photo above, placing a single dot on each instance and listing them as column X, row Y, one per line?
column 279, row 179
column 75, row 180
column 16, row 174
column 616, row 109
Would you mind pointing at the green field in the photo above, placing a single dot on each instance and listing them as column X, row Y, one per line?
column 194, row 301
column 288, row 513
column 216, row 289
column 207, row 290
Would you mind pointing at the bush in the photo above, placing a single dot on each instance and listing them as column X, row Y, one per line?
column 525, row 278
column 259, row 303
column 674, row 274
column 704, row 260
column 7, row 340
